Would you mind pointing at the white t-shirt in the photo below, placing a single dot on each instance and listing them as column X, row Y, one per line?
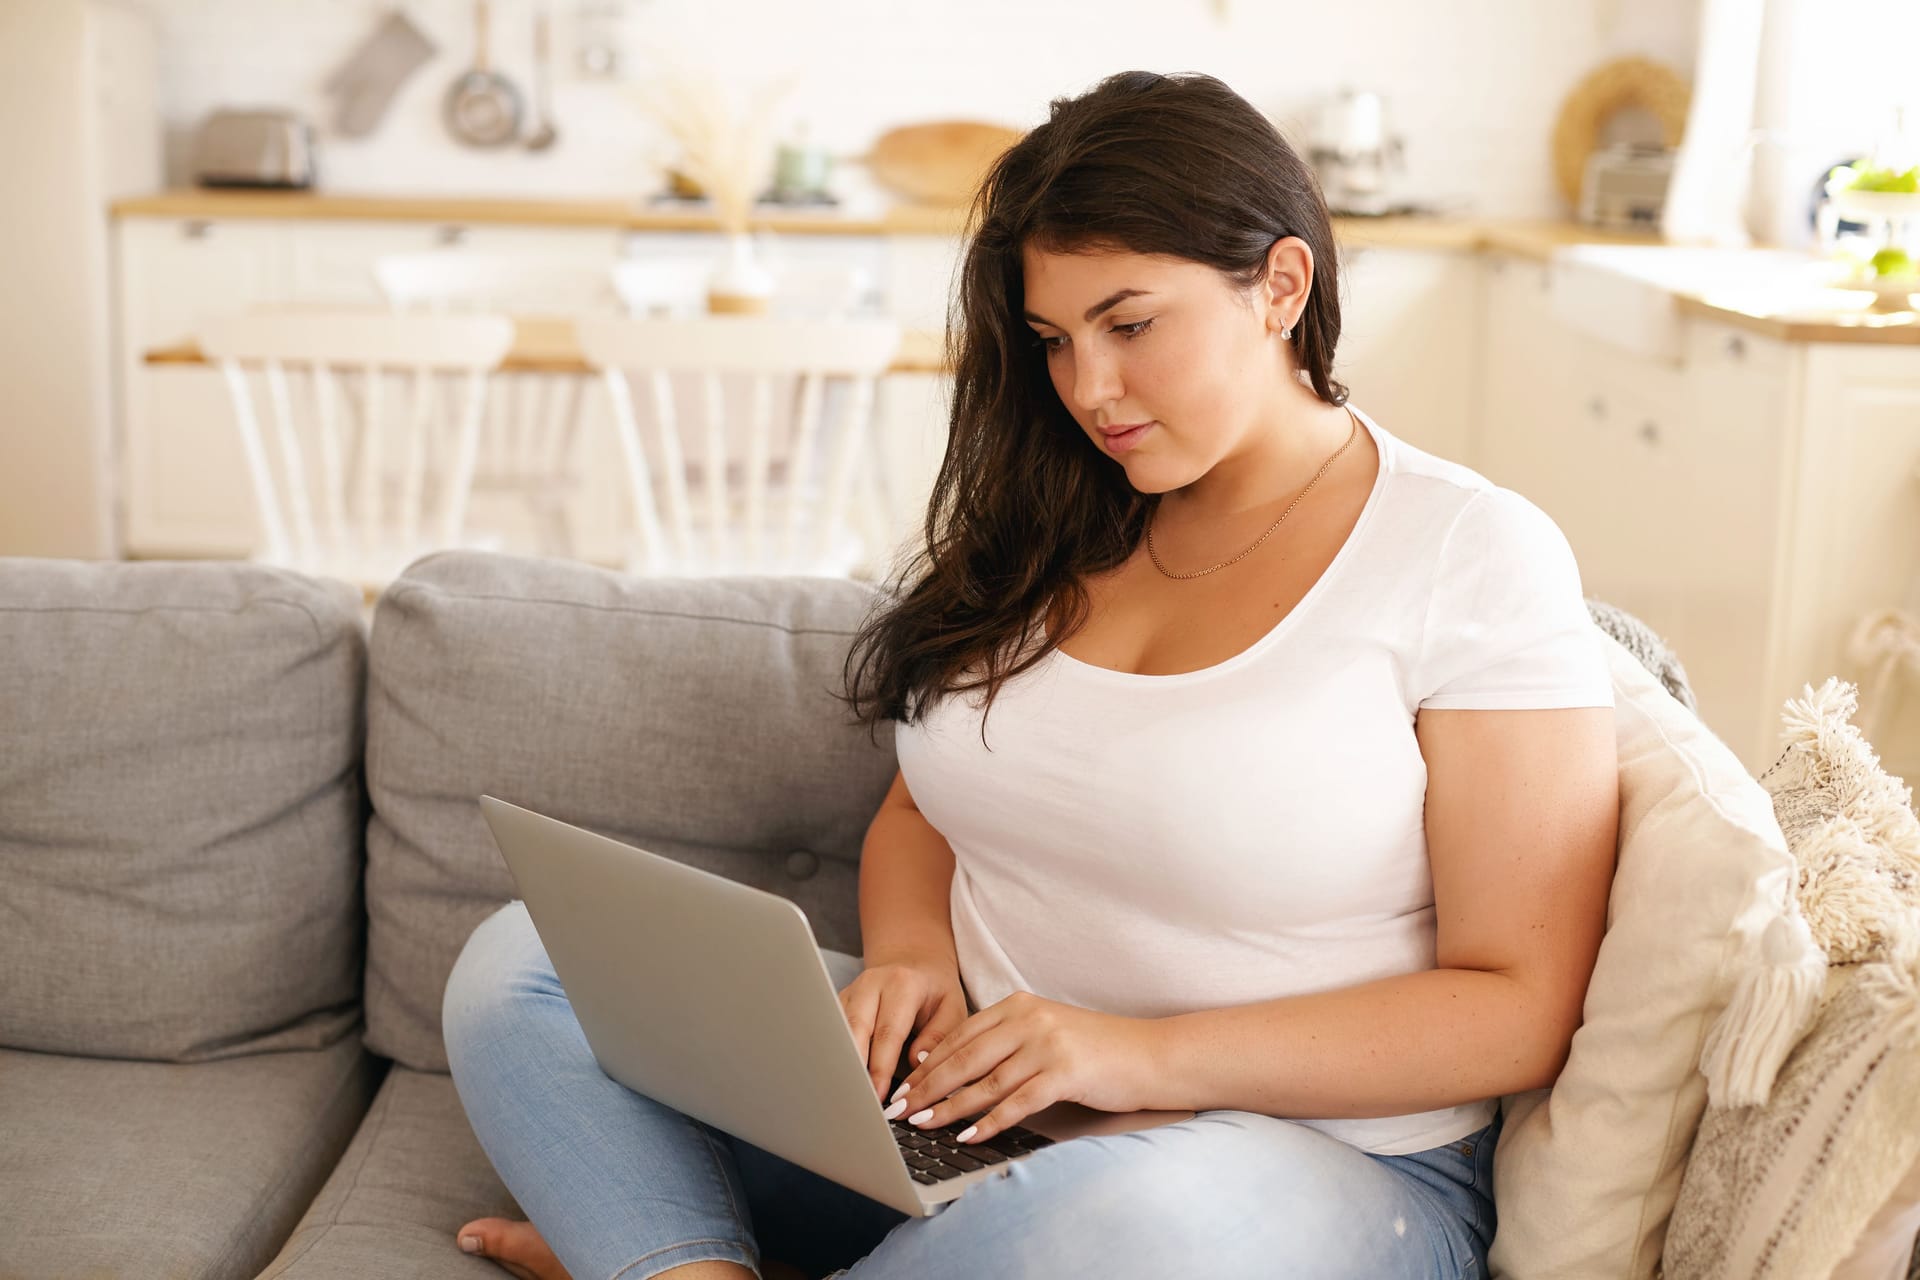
column 1151, row 845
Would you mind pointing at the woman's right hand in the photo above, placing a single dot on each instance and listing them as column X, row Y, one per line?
column 894, row 1001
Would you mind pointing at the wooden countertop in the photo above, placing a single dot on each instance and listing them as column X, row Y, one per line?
column 625, row 215
column 545, row 344
column 1535, row 239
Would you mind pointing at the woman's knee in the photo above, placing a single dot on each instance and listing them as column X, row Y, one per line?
column 499, row 955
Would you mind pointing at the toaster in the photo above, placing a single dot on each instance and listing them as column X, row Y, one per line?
column 254, row 149
column 1625, row 187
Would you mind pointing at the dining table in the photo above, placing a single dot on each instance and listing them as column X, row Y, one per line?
column 546, row 344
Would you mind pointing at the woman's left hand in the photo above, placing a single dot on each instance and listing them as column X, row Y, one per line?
column 1026, row 1053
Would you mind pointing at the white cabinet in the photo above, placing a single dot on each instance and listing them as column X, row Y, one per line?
column 1750, row 502
column 183, row 477
column 1522, row 407
column 1408, row 336
column 1852, row 485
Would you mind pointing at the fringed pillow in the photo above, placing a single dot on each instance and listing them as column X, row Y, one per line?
column 1819, row 1175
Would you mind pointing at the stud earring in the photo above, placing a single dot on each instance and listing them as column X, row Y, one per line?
column 1286, row 332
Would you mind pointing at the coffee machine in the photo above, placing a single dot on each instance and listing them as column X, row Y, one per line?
column 1354, row 156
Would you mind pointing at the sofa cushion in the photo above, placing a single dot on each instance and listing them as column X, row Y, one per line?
column 692, row 717
column 1829, row 1166
column 1586, row 1174
column 112, row 1168
column 180, row 808
column 413, row 1176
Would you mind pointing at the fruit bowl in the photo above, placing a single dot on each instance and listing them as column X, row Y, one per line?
column 1859, row 206
column 1891, row 293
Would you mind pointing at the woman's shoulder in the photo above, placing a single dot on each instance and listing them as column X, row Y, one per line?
column 1446, row 490
column 1431, row 476
column 1451, row 520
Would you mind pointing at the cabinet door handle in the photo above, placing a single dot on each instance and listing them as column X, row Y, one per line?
column 1597, row 407
column 196, row 229
column 1650, row 432
column 1737, row 347
column 451, row 235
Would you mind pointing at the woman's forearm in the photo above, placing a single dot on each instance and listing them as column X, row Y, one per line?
column 1417, row 1042
column 906, row 879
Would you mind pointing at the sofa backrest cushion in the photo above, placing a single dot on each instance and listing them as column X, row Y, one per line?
column 691, row 717
column 181, row 812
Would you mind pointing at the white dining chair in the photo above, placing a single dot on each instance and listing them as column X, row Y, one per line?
column 364, row 456
column 676, row 286
column 531, row 440
column 741, row 492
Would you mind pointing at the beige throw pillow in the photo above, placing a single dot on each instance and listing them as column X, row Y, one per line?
column 1824, row 1179
column 1586, row 1173
column 1786, row 1191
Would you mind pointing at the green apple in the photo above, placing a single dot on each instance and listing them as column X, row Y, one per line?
column 1869, row 178
column 1892, row 261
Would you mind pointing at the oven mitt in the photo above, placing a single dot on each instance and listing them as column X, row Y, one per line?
column 366, row 82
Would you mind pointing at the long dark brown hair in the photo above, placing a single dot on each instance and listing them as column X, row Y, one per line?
column 1023, row 505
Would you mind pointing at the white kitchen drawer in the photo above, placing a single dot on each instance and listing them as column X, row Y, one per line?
column 569, row 244
column 332, row 261
column 175, row 270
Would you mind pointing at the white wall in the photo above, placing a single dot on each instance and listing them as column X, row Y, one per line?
column 1831, row 73
column 1473, row 85
column 55, row 495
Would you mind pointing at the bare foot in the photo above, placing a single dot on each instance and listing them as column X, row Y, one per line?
column 517, row 1246
column 521, row 1249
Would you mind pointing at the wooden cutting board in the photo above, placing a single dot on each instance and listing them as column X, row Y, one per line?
column 940, row 162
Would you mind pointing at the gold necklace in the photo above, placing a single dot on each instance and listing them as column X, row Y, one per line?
column 1351, row 435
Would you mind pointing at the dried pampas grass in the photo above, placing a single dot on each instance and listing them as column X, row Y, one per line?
column 729, row 151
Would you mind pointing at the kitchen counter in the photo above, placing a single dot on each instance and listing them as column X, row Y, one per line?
column 629, row 215
column 1787, row 312
column 1637, row 294
column 1534, row 238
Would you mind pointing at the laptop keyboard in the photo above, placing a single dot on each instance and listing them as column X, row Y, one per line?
column 932, row 1155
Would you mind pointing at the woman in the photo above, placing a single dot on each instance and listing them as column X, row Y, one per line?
column 1298, row 809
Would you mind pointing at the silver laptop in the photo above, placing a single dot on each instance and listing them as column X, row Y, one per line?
column 711, row 996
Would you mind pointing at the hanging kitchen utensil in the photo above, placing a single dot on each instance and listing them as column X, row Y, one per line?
column 544, row 134
column 482, row 106
column 364, row 85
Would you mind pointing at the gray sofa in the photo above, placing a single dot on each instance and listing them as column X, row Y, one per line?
column 239, row 851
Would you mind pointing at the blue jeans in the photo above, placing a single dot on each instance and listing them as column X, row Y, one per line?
column 623, row 1186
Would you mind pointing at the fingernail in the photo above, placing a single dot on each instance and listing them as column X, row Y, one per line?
column 897, row 1092
column 920, row 1117
column 923, row 1055
column 899, row 1105
column 469, row 1244
column 966, row 1133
